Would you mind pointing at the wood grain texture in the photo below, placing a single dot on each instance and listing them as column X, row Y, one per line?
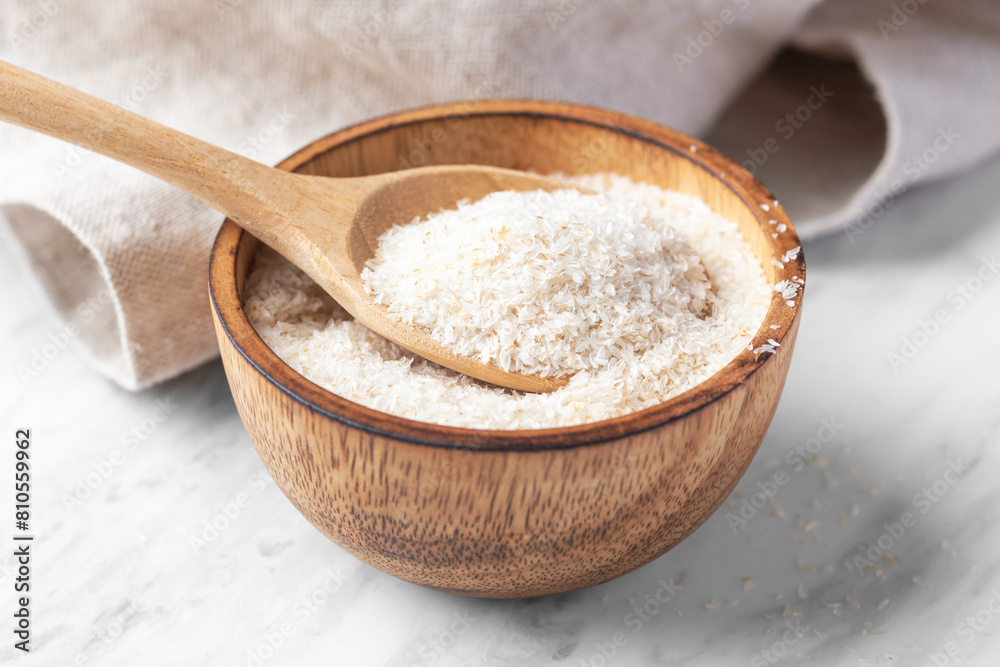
column 512, row 513
column 328, row 227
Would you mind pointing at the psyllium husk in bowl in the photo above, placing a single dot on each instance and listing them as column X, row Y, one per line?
column 636, row 292
column 640, row 300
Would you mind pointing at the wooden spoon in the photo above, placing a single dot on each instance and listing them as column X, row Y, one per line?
column 328, row 227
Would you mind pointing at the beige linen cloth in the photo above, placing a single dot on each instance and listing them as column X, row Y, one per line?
column 838, row 105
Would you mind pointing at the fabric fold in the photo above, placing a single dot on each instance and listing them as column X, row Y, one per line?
column 908, row 98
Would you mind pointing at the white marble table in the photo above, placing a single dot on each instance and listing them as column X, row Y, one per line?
column 121, row 578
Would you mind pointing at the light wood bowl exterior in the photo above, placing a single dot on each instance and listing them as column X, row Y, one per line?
column 512, row 513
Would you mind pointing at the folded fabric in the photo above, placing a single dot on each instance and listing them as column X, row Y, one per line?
column 875, row 98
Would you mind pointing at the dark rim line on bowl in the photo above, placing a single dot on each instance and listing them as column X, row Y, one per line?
column 376, row 422
column 692, row 396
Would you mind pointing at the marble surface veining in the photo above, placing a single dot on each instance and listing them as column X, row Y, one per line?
column 129, row 570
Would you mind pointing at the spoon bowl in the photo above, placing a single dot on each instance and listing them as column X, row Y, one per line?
column 338, row 221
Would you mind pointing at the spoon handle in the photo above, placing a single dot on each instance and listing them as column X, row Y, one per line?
column 244, row 190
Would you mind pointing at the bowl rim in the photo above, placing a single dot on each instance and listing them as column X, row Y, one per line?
column 758, row 199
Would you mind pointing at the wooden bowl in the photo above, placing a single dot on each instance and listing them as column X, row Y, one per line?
column 513, row 513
